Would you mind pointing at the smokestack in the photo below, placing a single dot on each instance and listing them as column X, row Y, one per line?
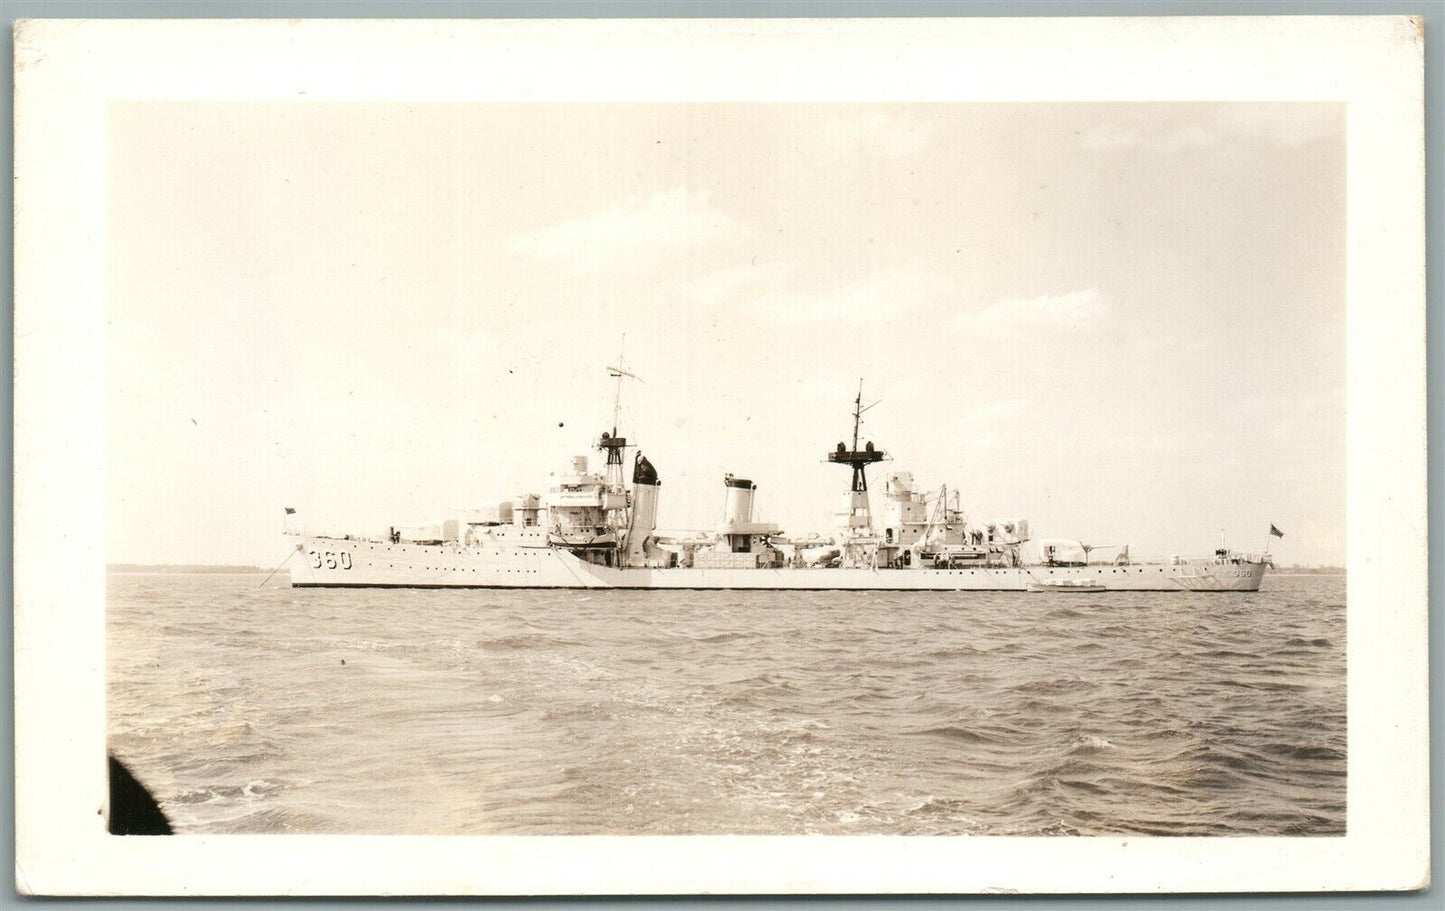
column 645, row 488
column 738, row 509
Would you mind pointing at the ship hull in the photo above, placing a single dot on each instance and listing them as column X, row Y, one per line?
column 350, row 563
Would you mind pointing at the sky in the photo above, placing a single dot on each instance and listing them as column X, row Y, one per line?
column 1124, row 322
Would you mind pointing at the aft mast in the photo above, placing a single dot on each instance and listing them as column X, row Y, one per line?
column 860, row 544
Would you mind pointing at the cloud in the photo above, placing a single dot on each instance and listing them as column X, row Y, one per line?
column 1233, row 128
column 620, row 235
column 988, row 423
column 1002, row 411
column 1286, row 124
column 724, row 286
column 1018, row 315
column 832, row 387
column 880, row 296
column 1190, row 439
column 1112, row 136
column 466, row 341
column 839, row 386
column 878, row 133
column 468, row 351
column 771, row 288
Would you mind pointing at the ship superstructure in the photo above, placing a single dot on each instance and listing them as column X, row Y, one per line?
column 598, row 529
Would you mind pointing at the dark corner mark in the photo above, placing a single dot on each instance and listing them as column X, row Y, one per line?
column 133, row 811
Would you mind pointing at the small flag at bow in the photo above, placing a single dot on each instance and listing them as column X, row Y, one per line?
column 1275, row 531
column 292, row 512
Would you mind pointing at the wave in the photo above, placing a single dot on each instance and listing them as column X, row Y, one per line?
column 518, row 641
column 1054, row 686
column 1088, row 743
column 1064, row 613
column 958, row 651
column 959, row 734
column 1306, row 752
column 717, row 638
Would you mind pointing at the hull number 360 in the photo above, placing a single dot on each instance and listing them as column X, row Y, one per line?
column 329, row 560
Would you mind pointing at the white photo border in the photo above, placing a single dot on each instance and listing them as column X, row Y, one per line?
column 67, row 72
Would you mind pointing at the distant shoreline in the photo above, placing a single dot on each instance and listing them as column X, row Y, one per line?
column 189, row 568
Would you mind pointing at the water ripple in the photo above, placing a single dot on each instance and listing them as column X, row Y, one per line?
column 445, row 712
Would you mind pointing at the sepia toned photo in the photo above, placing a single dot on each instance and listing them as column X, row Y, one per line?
column 548, row 399
column 965, row 473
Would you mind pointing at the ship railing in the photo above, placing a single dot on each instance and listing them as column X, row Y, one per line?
column 1234, row 557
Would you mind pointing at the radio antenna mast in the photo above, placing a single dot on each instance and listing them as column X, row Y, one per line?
column 611, row 443
column 618, row 372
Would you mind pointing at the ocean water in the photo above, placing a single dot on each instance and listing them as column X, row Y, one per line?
column 568, row 712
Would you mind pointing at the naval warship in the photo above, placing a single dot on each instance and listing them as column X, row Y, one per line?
column 597, row 529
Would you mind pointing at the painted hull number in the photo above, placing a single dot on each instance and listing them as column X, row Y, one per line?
column 329, row 560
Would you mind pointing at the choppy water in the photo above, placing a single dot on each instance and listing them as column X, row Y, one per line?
column 383, row 711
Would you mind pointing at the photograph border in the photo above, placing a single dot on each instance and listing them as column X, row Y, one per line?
column 66, row 72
